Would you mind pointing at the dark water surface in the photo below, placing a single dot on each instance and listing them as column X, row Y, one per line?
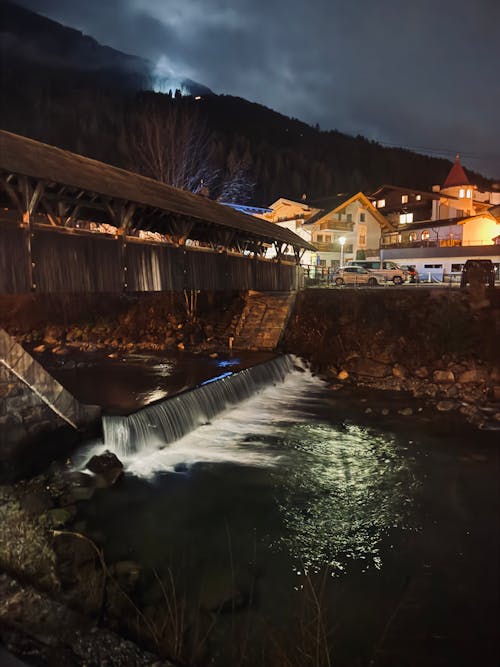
column 248, row 513
column 128, row 382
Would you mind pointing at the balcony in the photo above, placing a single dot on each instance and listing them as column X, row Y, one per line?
column 332, row 247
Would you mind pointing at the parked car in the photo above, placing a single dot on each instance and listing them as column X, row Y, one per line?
column 480, row 270
column 357, row 275
column 389, row 270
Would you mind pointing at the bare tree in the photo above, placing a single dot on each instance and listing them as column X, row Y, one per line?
column 170, row 143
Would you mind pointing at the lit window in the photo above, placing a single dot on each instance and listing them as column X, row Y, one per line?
column 404, row 199
column 418, row 197
column 468, row 194
column 381, row 203
column 412, row 237
column 425, row 235
column 461, row 193
column 400, row 238
column 405, row 218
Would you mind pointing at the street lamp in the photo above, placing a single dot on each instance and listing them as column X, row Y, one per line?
column 342, row 241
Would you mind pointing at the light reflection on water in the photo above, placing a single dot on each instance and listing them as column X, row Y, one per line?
column 348, row 489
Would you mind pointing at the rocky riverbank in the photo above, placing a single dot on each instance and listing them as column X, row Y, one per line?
column 60, row 602
column 161, row 322
column 433, row 344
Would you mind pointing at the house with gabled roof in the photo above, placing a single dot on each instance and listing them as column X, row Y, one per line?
column 350, row 221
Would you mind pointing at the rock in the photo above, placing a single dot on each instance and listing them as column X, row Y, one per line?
column 474, row 376
column 368, row 411
column 40, row 348
column 370, row 368
column 107, row 466
column 446, row 406
column 214, row 355
column 422, row 372
column 180, row 346
column 495, row 375
column 495, row 393
column 453, row 391
column 113, row 355
column 52, row 335
column 342, row 375
column 60, row 516
column 60, row 351
column 443, row 377
column 384, row 412
column 406, row 412
column 399, row 371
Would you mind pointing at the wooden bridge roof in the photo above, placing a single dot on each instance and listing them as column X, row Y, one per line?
column 27, row 157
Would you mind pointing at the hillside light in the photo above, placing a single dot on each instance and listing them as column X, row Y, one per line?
column 342, row 241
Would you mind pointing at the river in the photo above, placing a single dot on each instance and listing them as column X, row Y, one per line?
column 306, row 517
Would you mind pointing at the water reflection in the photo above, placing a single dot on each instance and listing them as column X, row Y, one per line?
column 349, row 489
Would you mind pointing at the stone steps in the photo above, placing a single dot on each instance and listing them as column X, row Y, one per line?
column 263, row 320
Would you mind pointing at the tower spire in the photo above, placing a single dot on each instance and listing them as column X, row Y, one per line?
column 457, row 175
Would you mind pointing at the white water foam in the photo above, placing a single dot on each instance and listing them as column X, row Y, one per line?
column 226, row 437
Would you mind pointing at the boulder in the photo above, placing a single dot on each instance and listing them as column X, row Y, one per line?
column 342, row 375
column 443, row 377
column 474, row 376
column 399, row 371
column 446, row 406
column 406, row 412
column 422, row 372
column 370, row 368
column 107, row 466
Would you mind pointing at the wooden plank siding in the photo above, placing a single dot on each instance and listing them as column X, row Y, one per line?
column 76, row 263
column 14, row 261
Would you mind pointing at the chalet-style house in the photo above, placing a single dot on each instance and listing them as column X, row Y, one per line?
column 346, row 228
column 341, row 227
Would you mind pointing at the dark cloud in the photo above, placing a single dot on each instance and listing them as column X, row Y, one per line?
column 414, row 73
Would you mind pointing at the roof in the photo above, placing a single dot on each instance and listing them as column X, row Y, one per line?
column 340, row 202
column 457, row 175
column 495, row 211
column 446, row 222
column 404, row 190
column 28, row 157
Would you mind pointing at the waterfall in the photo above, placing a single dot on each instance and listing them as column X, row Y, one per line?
column 169, row 420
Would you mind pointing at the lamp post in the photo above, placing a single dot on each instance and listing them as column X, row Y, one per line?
column 342, row 240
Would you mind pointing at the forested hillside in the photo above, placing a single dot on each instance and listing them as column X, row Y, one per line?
column 101, row 113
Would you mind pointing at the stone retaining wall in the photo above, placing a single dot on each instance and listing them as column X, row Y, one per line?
column 34, row 407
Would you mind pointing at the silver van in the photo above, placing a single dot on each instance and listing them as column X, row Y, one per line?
column 386, row 268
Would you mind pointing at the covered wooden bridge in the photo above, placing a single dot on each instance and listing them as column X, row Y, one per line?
column 71, row 224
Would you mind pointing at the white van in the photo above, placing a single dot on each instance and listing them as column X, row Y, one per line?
column 390, row 270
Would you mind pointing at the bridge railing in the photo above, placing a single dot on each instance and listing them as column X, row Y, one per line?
column 54, row 260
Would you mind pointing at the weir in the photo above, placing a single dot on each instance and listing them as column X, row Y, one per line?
column 169, row 420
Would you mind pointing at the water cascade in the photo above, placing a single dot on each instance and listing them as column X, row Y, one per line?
column 169, row 420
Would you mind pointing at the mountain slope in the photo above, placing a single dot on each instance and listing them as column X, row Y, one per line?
column 64, row 88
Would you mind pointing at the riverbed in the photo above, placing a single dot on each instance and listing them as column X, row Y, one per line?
column 307, row 517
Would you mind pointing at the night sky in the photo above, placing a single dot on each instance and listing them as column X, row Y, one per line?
column 424, row 74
